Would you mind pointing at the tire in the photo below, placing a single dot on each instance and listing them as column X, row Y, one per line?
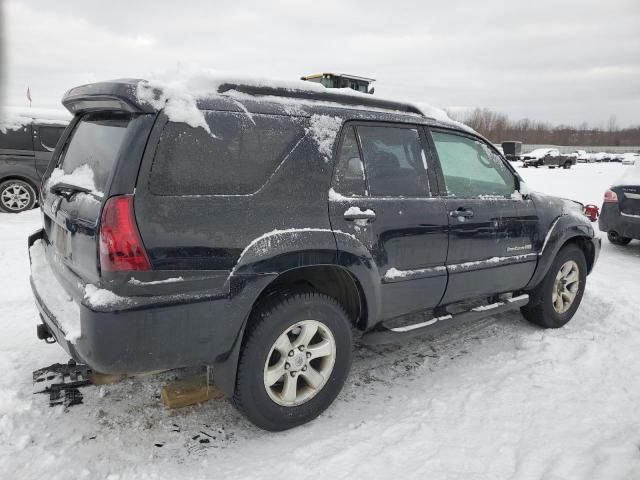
column 267, row 406
column 541, row 310
column 567, row 165
column 17, row 196
column 616, row 239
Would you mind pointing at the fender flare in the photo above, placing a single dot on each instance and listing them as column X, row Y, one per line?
column 280, row 251
column 564, row 228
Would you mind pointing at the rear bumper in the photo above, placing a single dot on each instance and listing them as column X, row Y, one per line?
column 625, row 225
column 152, row 336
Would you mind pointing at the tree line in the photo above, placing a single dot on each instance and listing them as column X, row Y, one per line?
column 497, row 127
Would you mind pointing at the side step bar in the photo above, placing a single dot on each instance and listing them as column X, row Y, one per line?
column 385, row 335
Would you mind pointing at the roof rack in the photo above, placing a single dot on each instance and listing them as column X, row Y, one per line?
column 328, row 96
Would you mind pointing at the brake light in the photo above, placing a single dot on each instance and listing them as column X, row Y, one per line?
column 121, row 247
column 610, row 196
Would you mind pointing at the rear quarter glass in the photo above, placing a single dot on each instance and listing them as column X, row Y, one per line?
column 238, row 157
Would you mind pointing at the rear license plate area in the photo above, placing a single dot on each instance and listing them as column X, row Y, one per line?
column 61, row 240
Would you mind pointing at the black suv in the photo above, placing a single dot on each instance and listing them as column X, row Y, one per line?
column 27, row 141
column 258, row 241
column 620, row 216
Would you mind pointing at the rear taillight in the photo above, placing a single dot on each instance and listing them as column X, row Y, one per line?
column 610, row 197
column 121, row 247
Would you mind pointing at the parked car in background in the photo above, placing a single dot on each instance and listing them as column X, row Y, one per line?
column 258, row 237
column 512, row 150
column 601, row 157
column 581, row 156
column 630, row 158
column 28, row 138
column 547, row 157
column 620, row 215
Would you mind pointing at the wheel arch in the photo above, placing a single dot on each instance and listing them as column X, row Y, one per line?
column 566, row 230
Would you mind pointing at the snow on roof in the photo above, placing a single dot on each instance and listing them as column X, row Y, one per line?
column 13, row 118
column 178, row 90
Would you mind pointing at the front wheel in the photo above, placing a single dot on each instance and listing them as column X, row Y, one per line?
column 16, row 196
column 555, row 301
column 567, row 166
column 617, row 239
column 294, row 361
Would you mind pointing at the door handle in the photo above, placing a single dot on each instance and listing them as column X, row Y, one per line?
column 461, row 212
column 356, row 213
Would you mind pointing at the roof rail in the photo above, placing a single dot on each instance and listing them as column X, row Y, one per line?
column 342, row 98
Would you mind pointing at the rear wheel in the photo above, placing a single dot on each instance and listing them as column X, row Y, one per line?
column 294, row 361
column 555, row 301
column 617, row 239
column 567, row 165
column 17, row 196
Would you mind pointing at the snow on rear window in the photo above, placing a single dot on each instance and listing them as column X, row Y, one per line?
column 94, row 144
column 82, row 177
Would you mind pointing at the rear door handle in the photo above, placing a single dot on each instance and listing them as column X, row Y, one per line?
column 356, row 213
column 461, row 212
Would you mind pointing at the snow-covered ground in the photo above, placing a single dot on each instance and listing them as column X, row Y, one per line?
column 500, row 399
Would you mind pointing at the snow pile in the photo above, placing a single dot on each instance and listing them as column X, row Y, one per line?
column 495, row 399
column 441, row 116
column 100, row 297
column 323, row 130
column 65, row 310
column 81, row 177
column 14, row 118
column 394, row 273
column 630, row 176
column 179, row 105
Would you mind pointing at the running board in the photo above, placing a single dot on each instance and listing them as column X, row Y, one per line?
column 385, row 335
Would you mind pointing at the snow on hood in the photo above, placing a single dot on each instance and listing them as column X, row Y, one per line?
column 541, row 152
column 14, row 118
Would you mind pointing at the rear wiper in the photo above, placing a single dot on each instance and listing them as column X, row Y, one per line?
column 68, row 190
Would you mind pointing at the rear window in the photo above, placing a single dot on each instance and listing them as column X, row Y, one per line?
column 238, row 160
column 95, row 142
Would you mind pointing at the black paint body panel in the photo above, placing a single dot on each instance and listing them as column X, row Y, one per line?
column 229, row 249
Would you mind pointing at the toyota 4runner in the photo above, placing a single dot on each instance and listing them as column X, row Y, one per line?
column 256, row 229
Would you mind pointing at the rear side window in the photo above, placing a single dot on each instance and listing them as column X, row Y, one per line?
column 49, row 137
column 95, row 142
column 17, row 139
column 470, row 168
column 238, row 160
column 394, row 161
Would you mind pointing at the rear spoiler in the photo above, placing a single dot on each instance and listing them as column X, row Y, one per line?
column 119, row 95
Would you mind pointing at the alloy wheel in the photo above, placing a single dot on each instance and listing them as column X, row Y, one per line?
column 299, row 363
column 565, row 287
column 15, row 197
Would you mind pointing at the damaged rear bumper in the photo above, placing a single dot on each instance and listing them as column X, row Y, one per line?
column 144, row 336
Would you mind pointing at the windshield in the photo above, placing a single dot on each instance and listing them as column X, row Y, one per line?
column 93, row 148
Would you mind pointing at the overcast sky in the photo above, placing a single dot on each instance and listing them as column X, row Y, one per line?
column 558, row 61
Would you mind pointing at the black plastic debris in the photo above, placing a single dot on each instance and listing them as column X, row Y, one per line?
column 61, row 382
